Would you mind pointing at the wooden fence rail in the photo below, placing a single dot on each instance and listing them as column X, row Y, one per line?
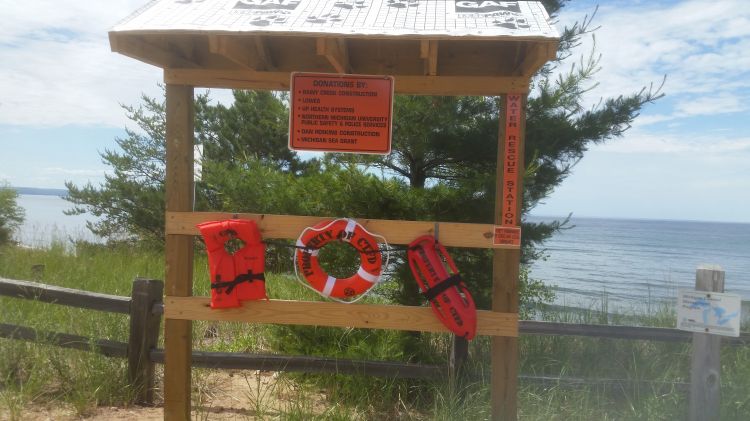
column 143, row 332
column 65, row 340
column 306, row 364
column 660, row 334
column 64, row 296
column 145, row 308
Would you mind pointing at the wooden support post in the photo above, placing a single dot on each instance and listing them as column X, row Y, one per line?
column 178, row 250
column 144, row 335
column 505, row 263
column 705, row 369
column 459, row 355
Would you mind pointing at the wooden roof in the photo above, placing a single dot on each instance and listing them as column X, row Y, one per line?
column 440, row 47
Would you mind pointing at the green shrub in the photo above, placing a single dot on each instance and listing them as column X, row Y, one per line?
column 11, row 215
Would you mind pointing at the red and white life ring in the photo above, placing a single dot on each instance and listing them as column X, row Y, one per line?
column 314, row 238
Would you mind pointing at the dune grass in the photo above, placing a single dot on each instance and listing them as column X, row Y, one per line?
column 41, row 374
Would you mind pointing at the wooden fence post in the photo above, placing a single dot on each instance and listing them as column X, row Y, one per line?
column 459, row 355
column 144, row 335
column 705, row 369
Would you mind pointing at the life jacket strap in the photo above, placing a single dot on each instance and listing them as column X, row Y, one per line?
column 440, row 287
column 244, row 277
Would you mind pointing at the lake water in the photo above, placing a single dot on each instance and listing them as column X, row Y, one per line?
column 636, row 263
column 45, row 221
column 632, row 263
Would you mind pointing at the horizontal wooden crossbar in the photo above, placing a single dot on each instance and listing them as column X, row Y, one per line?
column 451, row 234
column 312, row 313
column 421, row 85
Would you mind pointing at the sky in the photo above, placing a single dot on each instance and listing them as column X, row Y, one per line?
column 686, row 157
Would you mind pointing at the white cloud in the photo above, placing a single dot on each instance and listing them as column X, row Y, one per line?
column 58, row 68
column 708, row 105
column 704, row 144
column 645, row 120
column 43, row 18
column 698, row 105
column 701, row 47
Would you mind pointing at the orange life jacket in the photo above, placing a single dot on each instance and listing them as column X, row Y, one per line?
column 239, row 276
column 441, row 284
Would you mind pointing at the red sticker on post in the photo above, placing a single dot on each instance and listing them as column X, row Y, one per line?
column 507, row 236
column 341, row 113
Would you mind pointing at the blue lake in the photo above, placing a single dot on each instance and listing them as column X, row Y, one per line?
column 45, row 221
column 635, row 263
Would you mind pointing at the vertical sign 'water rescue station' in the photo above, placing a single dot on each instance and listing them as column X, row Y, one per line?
column 341, row 113
column 509, row 232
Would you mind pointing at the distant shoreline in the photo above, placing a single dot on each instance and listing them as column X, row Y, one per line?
column 548, row 218
column 37, row 191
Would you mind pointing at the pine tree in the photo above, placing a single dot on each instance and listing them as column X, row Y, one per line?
column 130, row 202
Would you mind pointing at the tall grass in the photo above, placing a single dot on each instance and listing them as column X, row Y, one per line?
column 37, row 373
column 32, row 372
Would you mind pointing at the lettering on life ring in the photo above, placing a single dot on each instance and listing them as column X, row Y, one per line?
column 314, row 238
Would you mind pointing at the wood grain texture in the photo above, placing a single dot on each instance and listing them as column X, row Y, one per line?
column 154, row 51
column 264, row 54
column 239, row 51
column 451, row 234
column 336, row 52
column 334, row 314
column 144, row 335
column 178, row 250
column 467, row 66
column 536, row 58
column 705, row 367
column 505, row 271
column 64, row 296
column 428, row 51
column 405, row 84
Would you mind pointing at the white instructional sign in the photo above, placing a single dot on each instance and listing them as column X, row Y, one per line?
column 708, row 312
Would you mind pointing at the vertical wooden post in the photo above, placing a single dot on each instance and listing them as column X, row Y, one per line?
column 458, row 357
column 505, row 270
column 705, row 369
column 144, row 335
column 178, row 250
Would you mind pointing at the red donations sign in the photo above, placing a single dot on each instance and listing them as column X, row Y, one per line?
column 341, row 113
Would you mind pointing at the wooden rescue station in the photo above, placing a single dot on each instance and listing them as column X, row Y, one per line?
column 430, row 47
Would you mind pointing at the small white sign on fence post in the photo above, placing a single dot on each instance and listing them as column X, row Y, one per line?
column 708, row 312
column 197, row 162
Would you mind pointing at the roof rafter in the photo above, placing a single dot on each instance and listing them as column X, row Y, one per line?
column 428, row 51
column 336, row 51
